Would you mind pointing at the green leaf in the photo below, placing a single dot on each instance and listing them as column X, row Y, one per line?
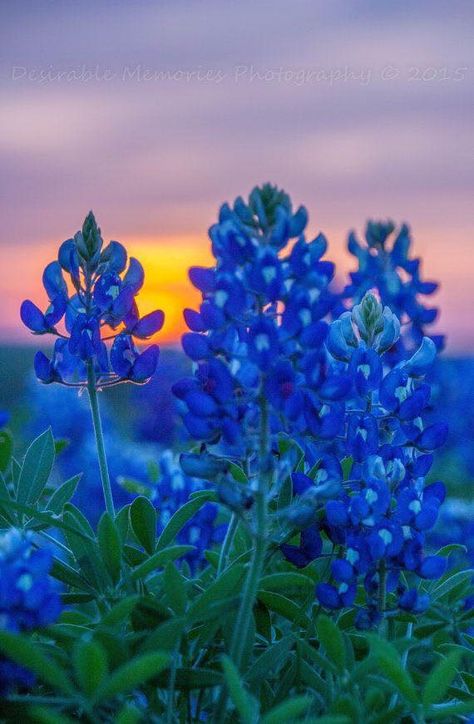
column 44, row 519
column 6, row 450
column 60, row 444
column 143, row 522
column 63, row 572
column 62, row 495
column 237, row 473
column 332, row 640
column 223, row 587
column 132, row 674
column 245, row 704
column 392, row 669
column 287, row 711
column 440, row 679
column 272, row 658
column 110, row 546
column 90, row 665
column 122, row 521
column 451, row 548
column 346, row 464
column 120, row 612
column 286, row 582
column 446, row 712
column 285, row 607
column 134, row 486
column 188, row 679
column 309, row 676
column 24, row 651
column 36, row 468
column 158, row 560
column 129, row 714
column 86, row 553
column 82, row 524
column 43, row 715
column 5, row 496
column 180, row 518
column 166, row 636
column 447, row 584
column 174, row 586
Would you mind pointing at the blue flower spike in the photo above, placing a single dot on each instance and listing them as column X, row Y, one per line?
column 97, row 306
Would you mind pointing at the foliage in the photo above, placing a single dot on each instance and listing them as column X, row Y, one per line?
column 285, row 570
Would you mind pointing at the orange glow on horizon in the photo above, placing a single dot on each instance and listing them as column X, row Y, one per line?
column 167, row 285
column 166, row 261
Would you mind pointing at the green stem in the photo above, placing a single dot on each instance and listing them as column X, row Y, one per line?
column 382, row 592
column 231, row 530
column 99, row 439
column 244, row 616
column 242, row 624
column 227, row 544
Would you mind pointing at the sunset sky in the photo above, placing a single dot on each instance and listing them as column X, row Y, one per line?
column 153, row 113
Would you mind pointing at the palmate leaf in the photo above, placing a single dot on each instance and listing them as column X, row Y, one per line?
column 36, row 468
column 134, row 673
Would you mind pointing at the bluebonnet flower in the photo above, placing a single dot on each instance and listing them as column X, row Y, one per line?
column 260, row 329
column 98, row 304
column 379, row 519
column 308, row 550
column 28, row 598
column 385, row 265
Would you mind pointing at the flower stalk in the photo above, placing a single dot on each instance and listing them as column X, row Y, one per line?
column 99, row 439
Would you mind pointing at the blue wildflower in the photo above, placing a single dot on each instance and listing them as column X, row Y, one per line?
column 104, row 297
column 28, row 598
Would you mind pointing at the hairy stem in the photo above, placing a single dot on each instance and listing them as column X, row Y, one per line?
column 99, row 439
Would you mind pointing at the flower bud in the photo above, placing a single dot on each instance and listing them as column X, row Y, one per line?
column 89, row 241
column 368, row 317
